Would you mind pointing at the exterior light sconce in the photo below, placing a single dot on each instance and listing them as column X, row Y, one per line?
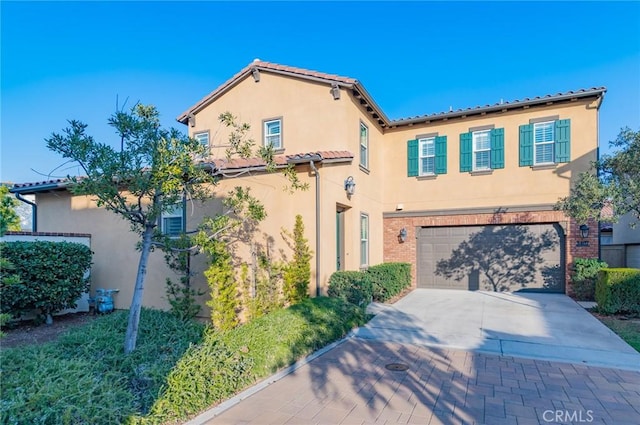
column 192, row 120
column 335, row 92
column 350, row 186
column 584, row 231
column 402, row 236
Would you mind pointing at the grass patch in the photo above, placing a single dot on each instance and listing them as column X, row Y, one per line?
column 225, row 364
column 628, row 329
column 177, row 370
column 85, row 378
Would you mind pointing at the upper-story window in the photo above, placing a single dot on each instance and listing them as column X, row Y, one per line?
column 481, row 150
column 545, row 141
column 172, row 221
column 427, row 149
column 543, row 138
column 427, row 155
column 364, row 145
column 272, row 130
column 203, row 138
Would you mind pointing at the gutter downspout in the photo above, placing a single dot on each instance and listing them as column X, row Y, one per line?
column 317, row 175
column 34, row 211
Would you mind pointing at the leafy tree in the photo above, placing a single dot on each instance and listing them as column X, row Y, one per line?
column 297, row 274
column 152, row 172
column 9, row 218
column 224, row 301
column 618, row 182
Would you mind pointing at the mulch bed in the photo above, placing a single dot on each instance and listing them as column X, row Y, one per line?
column 28, row 333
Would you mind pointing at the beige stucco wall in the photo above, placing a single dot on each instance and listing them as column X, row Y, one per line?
column 623, row 233
column 510, row 186
column 313, row 121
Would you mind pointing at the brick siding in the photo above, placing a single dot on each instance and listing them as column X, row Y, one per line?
column 406, row 252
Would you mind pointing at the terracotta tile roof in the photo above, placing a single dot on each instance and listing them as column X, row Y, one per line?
column 219, row 164
column 222, row 164
column 54, row 182
column 265, row 66
column 370, row 105
column 517, row 103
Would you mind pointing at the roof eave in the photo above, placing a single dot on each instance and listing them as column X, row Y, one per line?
column 228, row 85
column 597, row 93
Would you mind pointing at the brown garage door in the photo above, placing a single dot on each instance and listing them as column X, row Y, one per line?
column 494, row 258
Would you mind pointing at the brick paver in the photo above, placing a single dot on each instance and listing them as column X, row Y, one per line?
column 350, row 385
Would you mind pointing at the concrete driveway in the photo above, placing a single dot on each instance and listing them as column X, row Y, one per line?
column 531, row 325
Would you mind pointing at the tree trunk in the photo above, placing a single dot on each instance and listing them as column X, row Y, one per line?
column 136, row 301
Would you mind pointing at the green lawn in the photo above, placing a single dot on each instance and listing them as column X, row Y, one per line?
column 177, row 370
column 628, row 330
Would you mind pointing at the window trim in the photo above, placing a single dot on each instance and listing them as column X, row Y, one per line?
column 265, row 135
column 421, row 172
column 181, row 214
column 365, row 241
column 552, row 143
column 201, row 133
column 474, row 167
column 364, row 160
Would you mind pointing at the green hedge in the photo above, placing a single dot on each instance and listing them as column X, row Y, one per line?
column 584, row 276
column 378, row 283
column 351, row 286
column 618, row 291
column 50, row 276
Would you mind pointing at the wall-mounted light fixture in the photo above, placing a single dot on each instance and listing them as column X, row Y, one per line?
column 192, row 120
column 402, row 236
column 584, row 231
column 350, row 186
column 335, row 92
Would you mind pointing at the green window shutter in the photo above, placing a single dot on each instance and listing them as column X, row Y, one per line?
column 466, row 152
column 563, row 140
column 441, row 155
column 526, row 145
column 412, row 158
column 497, row 148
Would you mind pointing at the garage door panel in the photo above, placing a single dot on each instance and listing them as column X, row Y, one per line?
column 515, row 257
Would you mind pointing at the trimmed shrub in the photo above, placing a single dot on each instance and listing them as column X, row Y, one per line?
column 584, row 276
column 618, row 291
column 352, row 286
column 389, row 279
column 378, row 283
column 50, row 276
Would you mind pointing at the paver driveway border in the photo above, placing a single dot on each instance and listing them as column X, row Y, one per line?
column 477, row 385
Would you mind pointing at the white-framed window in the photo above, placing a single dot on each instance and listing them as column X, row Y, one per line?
column 543, row 143
column 172, row 221
column 427, row 152
column 364, row 240
column 481, row 150
column 364, row 145
column 203, row 138
column 273, row 133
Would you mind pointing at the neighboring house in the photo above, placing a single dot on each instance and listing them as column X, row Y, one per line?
column 620, row 243
column 465, row 196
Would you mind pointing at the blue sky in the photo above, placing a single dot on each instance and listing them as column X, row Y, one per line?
column 78, row 60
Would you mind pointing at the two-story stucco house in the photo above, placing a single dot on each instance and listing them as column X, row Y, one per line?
column 465, row 196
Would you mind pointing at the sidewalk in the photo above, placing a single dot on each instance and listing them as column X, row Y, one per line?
column 351, row 384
